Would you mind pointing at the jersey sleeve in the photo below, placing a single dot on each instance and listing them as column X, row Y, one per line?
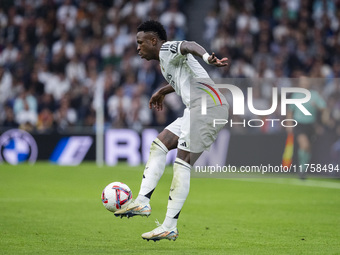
column 171, row 50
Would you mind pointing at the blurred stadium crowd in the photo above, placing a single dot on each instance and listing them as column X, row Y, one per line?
column 55, row 53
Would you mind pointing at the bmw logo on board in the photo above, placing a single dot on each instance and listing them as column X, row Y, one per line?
column 17, row 146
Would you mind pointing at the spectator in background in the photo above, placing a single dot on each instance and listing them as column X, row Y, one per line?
column 9, row 55
column 174, row 19
column 47, row 101
column 118, row 107
column 139, row 114
column 75, row 70
column 108, row 79
column 91, row 80
column 25, row 102
column 34, row 86
column 246, row 21
column 25, row 110
column 5, row 84
column 135, row 8
column 42, row 51
column 323, row 7
column 9, row 121
column 149, row 75
column 284, row 11
column 111, row 28
column 11, row 31
column 130, row 60
column 64, row 46
column 65, row 116
column 57, row 85
column 211, row 25
column 130, row 85
column 108, row 53
column 81, row 99
column 3, row 23
column 45, row 122
column 67, row 14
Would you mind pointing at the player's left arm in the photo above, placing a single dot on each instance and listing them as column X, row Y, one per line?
column 197, row 50
column 157, row 98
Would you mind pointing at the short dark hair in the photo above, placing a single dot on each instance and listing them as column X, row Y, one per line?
column 153, row 26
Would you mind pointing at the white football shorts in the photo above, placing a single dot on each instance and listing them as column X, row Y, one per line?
column 196, row 132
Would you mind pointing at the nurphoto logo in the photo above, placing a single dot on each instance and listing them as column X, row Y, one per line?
column 239, row 103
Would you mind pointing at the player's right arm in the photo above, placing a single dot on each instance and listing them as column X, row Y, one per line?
column 197, row 50
column 157, row 98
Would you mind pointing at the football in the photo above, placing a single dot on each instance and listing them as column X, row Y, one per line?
column 116, row 195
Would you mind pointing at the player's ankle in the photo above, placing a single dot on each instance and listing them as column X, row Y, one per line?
column 169, row 223
column 142, row 200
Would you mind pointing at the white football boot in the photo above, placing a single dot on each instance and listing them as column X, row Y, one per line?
column 160, row 233
column 134, row 209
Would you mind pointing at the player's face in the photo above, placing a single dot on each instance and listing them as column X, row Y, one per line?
column 146, row 45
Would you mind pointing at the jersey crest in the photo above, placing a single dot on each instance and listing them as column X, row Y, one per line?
column 174, row 47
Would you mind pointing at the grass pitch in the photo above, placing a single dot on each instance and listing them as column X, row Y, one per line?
column 48, row 209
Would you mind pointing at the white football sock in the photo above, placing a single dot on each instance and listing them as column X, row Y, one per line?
column 153, row 171
column 178, row 193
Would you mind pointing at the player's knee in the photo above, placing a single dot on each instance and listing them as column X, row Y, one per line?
column 169, row 139
column 157, row 145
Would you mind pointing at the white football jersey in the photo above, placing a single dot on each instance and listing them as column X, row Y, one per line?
column 188, row 78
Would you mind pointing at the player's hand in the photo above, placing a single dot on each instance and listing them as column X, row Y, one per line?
column 156, row 101
column 213, row 60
